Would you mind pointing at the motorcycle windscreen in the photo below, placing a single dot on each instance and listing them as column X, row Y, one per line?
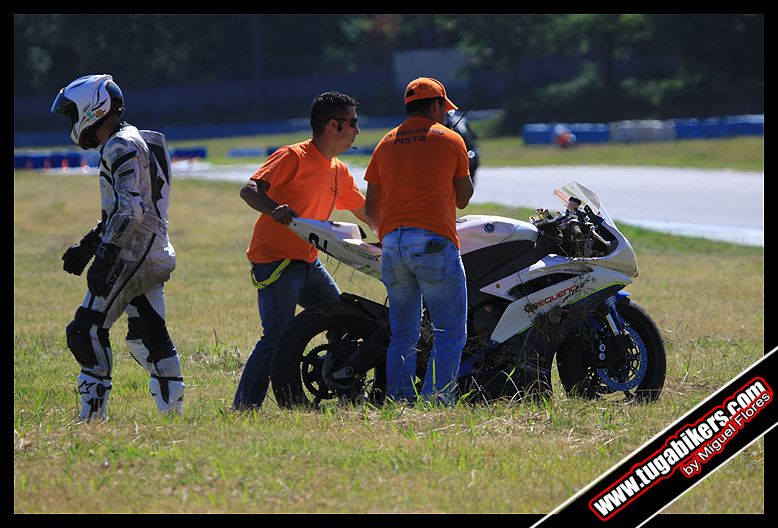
column 586, row 196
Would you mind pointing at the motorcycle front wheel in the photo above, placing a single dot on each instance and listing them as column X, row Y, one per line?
column 639, row 374
column 311, row 361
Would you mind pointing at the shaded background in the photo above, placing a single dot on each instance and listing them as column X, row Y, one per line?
column 188, row 69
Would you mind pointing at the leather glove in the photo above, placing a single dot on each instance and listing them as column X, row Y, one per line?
column 104, row 270
column 78, row 255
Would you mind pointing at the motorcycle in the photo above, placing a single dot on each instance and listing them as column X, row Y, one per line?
column 550, row 287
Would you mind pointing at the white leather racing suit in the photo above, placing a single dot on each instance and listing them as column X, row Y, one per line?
column 135, row 178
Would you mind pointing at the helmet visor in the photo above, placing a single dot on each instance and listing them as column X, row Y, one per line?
column 64, row 106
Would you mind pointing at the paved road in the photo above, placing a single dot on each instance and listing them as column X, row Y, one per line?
column 722, row 204
column 718, row 204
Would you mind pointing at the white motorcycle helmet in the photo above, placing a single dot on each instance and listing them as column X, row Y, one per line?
column 87, row 101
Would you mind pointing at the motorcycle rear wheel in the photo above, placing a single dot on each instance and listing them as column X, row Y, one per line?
column 308, row 354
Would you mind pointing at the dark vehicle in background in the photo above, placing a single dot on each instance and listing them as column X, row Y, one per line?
column 458, row 123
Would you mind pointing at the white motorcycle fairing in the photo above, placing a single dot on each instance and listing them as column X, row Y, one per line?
column 521, row 314
column 341, row 240
column 344, row 240
column 480, row 231
column 621, row 257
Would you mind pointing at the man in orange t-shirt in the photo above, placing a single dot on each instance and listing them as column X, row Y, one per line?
column 416, row 178
column 307, row 180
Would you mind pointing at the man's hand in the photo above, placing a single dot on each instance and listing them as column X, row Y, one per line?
column 361, row 214
column 283, row 214
column 254, row 193
column 78, row 255
column 104, row 270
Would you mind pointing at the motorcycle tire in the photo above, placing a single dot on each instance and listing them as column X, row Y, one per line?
column 579, row 377
column 298, row 371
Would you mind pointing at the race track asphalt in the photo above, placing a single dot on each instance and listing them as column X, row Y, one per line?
column 717, row 204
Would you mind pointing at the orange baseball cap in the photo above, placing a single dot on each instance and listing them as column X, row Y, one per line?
column 427, row 88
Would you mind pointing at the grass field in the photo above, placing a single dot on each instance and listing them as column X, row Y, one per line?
column 707, row 298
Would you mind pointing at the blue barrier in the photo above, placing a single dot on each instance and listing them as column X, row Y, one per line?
column 707, row 128
column 746, row 125
column 538, row 134
column 719, row 127
column 699, row 128
column 245, row 152
column 591, row 132
column 71, row 159
column 52, row 160
column 188, row 153
column 543, row 133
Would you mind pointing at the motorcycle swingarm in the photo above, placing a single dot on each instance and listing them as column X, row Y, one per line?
column 372, row 351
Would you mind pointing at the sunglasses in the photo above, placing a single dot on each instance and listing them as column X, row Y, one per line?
column 353, row 121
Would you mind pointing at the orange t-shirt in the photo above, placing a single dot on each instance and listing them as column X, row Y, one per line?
column 415, row 165
column 300, row 176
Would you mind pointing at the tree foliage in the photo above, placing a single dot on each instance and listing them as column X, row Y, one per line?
column 626, row 65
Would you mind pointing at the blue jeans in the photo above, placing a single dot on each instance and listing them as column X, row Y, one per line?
column 420, row 263
column 303, row 283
